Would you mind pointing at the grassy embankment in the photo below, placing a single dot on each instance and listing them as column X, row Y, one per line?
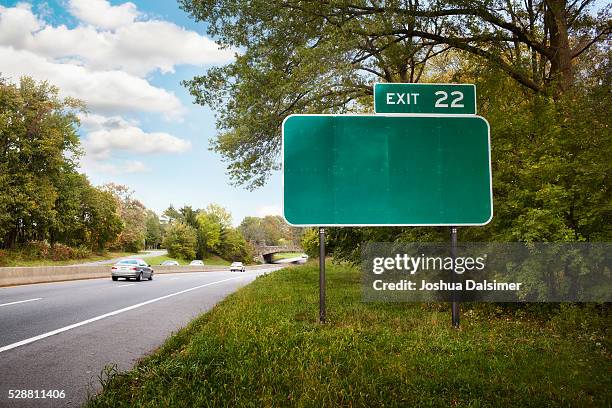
column 18, row 259
column 285, row 255
column 262, row 346
column 212, row 260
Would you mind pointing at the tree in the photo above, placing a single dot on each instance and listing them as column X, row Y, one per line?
column 133, row 215
column 220, row 215
column 153, row 236
column 550, row 166
column 252, row 230
column 189, row 216
column 302, row 56
column 209, row 233
column 100, row 217
column 39, row 150
column 234, row 247
column 269, row 230
column 172, row 214
column 180, row 241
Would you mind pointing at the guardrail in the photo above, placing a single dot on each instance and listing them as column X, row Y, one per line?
column 22, row 275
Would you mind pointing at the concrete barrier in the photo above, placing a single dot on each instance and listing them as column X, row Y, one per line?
column 23, row 275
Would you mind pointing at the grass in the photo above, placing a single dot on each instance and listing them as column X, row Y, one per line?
column 262, row 346
column 213, row 260
column 285, row 255
column 19, row 261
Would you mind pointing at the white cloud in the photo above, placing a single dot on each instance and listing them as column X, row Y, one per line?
column 101, row 14
column 16, row 25
column 264, row 210
column 136, row 47
column 104, row 91
column 104, row 60
column 111, row 134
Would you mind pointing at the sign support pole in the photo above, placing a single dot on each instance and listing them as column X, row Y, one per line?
column 454, row 305
column 322, row 275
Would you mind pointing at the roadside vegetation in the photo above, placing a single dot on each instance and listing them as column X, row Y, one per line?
column 17, row 258
column 262, row 346
column 211, row 260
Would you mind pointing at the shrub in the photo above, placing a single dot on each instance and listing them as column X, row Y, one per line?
column 180, row 241
column 36, row 249
column 62, row 253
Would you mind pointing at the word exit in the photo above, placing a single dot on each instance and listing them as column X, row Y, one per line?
column 401, row 98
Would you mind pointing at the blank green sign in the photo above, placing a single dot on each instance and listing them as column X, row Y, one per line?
column 384, row 170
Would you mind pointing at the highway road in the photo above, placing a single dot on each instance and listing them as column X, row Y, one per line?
column 60, row 336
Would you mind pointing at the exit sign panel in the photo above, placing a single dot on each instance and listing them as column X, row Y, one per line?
column 459, row 99
column 356, row 170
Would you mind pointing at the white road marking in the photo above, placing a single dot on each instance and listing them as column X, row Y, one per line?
column 123, row 286
column 20, row 301
column 95, row 319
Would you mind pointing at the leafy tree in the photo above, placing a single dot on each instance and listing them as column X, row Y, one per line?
column 189, row 216
column 100, row 218
column 550, row 165
column 234, row 247
column 180, row 240
column 173, row 214
column 302, row 56
column 270, row 230
column 220, row 215
column 252, row 230
column 133, row 215
column 39, row 149
column 153, row 237
column 209, row 231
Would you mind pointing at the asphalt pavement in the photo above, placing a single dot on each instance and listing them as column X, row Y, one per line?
column 61, row 336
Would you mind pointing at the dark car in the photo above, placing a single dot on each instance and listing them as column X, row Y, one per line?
column 132, row 268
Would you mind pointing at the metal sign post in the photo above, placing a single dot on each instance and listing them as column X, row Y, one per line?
column 321, row 275
column 454, row 304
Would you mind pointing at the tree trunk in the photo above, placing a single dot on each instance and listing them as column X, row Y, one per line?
column 561, row 70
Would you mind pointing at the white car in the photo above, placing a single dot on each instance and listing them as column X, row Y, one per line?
column 197, row 262
column 237, row 267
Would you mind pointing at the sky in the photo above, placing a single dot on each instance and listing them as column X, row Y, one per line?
column 126, row 60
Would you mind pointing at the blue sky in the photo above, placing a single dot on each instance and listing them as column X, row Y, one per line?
column 156, row 145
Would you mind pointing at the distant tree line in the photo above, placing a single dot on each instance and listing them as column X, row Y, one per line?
column 201, row 233
column 270, row 230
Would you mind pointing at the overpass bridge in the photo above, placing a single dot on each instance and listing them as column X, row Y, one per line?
column 264, row 253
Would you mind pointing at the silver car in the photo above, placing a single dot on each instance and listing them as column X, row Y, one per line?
column 196, row 262
column 170, row 263
column 237, row 266
column 132, row 268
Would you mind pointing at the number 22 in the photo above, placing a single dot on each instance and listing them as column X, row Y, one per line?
column 443, row 96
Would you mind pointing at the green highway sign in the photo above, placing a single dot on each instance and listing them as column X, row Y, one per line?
column 357, row 170
column 458, row 99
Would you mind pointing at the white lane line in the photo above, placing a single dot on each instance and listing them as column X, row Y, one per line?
column 95, row 319
column 123, row 286
column 20, row 301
